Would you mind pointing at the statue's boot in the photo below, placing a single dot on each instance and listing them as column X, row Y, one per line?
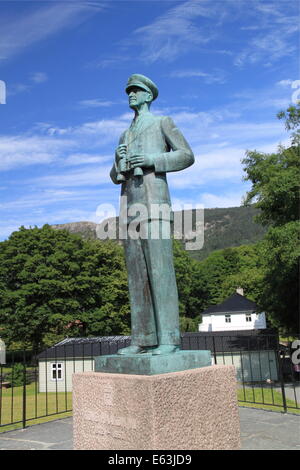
column 132, row 350
column 165, row 349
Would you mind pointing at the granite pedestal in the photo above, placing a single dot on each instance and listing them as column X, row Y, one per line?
column 192, row 409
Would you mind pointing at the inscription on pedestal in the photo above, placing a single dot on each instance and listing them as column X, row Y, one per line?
column 107, row 423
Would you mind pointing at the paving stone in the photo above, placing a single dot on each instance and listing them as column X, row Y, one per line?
column 260, row 430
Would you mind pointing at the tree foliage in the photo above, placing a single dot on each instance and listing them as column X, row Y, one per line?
column 49, row 279
column 275, row 188
column 275, row 184
column 279, row 293
column 292, row 120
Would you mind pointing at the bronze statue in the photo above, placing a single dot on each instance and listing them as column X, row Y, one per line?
column 150, row 148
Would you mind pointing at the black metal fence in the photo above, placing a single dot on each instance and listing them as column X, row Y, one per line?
column 37, row 386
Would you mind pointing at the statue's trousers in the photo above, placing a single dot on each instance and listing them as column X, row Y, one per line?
column 152, row 290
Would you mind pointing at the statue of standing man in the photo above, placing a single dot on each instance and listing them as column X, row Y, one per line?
column 150, row 148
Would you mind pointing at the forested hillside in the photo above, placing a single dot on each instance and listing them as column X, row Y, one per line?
column 223, row 228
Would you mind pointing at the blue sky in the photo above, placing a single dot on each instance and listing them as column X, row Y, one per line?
column 223, row 69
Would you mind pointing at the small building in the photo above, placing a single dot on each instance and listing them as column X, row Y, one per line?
column 236, row 313
column 58, row 363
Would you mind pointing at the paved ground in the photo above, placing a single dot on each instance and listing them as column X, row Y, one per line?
column 269, row 430
column 260, row 430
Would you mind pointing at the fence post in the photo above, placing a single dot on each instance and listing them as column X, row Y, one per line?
column 280, row 363
column 24, row 391
column 214, row 349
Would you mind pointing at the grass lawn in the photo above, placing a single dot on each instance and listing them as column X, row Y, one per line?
column 42, row 407
column 265, row 398
column 37, row 405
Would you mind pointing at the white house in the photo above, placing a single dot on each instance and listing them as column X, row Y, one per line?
column 234, row 314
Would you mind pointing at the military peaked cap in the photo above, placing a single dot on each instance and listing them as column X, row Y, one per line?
column 142, row 82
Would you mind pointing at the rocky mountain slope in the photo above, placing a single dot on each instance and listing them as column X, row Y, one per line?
column 223, row 228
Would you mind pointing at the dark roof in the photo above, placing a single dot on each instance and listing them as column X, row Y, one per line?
column 221, row 341
column 86, row 347
column 232, row 341
column 235, row 303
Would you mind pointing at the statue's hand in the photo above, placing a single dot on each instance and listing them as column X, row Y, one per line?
column 120, row 152
column 142, row 161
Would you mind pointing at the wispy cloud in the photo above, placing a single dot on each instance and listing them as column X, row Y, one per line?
column 39, row 23
column 20, row 150
column 92, row 176
column 86, row 159
column 35, row 78
column 271, row 40
column 95, row 103
column 194, row 25
column 39, row 77
column 175, row 31
column 285, row 82
column 46, row 143
column 217, row 76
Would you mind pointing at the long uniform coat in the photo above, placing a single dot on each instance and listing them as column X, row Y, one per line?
column 151, row 277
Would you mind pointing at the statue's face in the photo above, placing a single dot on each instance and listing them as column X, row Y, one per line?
column 137, row 97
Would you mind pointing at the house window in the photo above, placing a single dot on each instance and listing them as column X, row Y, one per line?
column 56, row 371
column 248, row 317
column 228, row 318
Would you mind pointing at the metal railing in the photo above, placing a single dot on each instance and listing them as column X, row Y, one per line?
column 267, row 377
column 37, row 386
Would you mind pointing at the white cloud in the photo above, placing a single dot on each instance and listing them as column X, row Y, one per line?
column 16, row 88
column 93, row 176
column 217, row 76
column 95, row 103
column 175, row 31
column 55, row 206
column 272, row 37
column 65, row 145
column 40, row 23
column 229, row 199
column 212, row 166
column 85, row 159
column 35, row 79
column 40, row 198
column 285, row 83
column 18, row 151
column 39, row 77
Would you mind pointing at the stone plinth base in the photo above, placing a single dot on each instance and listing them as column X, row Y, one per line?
column 147, row 364
column 193, row 409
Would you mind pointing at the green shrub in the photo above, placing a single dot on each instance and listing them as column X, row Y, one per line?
column 16, row 376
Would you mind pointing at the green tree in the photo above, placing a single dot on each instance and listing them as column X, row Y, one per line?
column 275, row 190
column 191, row 288
column 275, row 184
column 292, row 120
column 248, row 273
column 50, row 278
column 214, row 270
column 280, row 285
